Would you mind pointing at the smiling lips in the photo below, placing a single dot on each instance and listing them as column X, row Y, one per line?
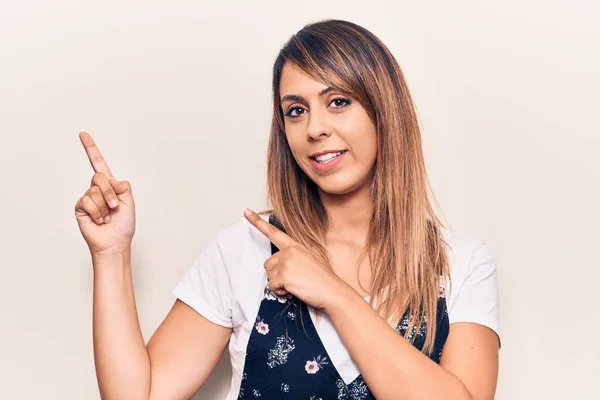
column 324, row 161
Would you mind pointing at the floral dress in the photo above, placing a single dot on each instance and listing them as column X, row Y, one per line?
column 285, row 358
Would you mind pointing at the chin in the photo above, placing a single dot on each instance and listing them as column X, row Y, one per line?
column 335, row 191
column 337, row 186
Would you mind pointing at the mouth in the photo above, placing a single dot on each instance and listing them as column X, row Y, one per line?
column 325, row 162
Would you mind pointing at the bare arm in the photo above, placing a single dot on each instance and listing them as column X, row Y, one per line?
column 178, row 358
column 394, row 369
column 391, row 366
column 186, row 346
column 122, row 362
column 184, row 350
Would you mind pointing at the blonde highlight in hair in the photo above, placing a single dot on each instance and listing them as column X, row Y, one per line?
column 405, row 246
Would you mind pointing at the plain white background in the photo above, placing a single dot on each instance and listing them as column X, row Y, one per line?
column 178, row 99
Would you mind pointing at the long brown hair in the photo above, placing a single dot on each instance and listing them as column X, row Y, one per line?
column 404, row 245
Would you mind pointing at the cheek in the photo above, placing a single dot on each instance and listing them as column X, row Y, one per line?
column 364, row 144
column 293, row 137
column 369, row 138
column 288, row 132
column 372, row 146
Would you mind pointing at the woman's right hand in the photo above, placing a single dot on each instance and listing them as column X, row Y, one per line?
column 106, row 211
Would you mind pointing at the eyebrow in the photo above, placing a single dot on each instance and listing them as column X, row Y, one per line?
column 295, row 97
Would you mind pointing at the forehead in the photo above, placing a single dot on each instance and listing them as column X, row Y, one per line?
column 296, row 81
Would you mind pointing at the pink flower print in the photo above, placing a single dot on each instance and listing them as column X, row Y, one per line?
column 262, row 328
column 312, row 367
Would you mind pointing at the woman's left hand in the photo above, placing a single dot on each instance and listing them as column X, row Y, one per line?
column 294, row 269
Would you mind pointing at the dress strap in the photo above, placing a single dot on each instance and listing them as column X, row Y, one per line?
column 275, row 222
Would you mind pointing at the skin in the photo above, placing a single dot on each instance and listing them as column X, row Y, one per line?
column 391, row 367
column 180, row 363
column 316, row 122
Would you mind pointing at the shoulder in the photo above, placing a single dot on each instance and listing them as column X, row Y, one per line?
column 239, row 241
column 470, row 261
column 238, row 232
column 463, row 249
column 473, row 282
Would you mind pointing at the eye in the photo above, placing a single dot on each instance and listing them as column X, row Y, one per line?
column 293, row 112
column 341, row 102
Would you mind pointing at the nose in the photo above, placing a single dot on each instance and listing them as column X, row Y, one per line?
column 318, row 127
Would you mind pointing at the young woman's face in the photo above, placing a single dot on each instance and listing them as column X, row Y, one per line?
column 318, row 119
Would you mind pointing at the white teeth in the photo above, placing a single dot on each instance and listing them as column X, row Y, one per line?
column 327, row 157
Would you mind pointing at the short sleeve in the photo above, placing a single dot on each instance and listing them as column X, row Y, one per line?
column 206, row 286
column 477, row 297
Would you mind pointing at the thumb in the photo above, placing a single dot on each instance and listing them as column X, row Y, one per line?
column 120, row 188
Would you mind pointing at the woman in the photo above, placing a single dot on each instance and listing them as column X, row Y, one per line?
column 349, row 288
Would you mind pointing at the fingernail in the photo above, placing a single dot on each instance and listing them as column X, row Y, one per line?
column 114, row 203
column 101, row 220
column 107, row 219
column 247, row 212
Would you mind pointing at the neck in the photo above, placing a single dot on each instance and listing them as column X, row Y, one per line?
column 348, row 215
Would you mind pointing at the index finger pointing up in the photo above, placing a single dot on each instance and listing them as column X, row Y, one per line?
column 96, row 159
column 279, row 238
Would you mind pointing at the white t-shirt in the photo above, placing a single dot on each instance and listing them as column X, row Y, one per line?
column 225, row 284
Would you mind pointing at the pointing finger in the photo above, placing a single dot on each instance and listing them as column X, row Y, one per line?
column 96, row 159
column 279, row 238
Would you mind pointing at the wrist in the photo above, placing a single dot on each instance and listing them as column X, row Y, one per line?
column 339, row 295
column 112, row 256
